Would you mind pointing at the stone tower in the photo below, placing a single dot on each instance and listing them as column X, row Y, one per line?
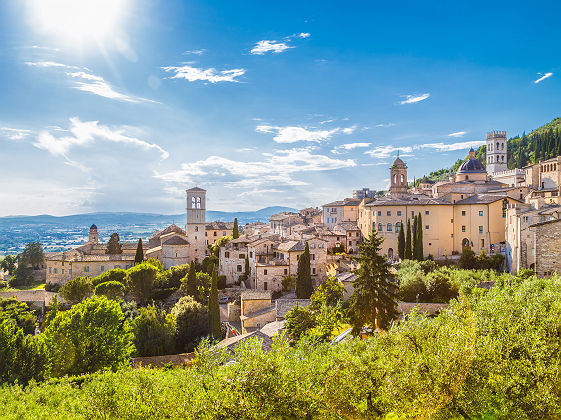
column 93, row 237
column 398, row 178
column 195, row 227
column 496, row 151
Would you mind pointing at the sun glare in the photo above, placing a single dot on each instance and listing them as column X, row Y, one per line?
column 78, row 20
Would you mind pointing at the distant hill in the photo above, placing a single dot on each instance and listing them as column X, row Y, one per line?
column 542, row 143
column 131, row 218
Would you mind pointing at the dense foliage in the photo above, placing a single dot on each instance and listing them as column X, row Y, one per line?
column 154, row 332
column 192, row 319
column 19, row 312
column 114, row 245
column 77, row 289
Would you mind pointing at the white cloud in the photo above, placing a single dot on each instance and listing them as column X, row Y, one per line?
column 195, row 52
column 412, row 99
column 544, row 76
column 265, row 46
column 457, row 134
column 293, row 134
column 349, row 146
column 385, row 124
column 14, row 133
column 46, row 64
column 273, row 169
column 448, row 147
column 304, row 35
column 383, row 152
column 84, row 133
column 211, row 75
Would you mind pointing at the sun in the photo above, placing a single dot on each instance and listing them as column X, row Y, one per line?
column 78, row 20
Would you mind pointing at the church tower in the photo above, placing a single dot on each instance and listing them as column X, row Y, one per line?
column 496, row 152
column 398, row 179
column 196, row 224
column 93, row 237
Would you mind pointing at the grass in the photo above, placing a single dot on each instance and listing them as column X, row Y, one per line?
column 32, row 286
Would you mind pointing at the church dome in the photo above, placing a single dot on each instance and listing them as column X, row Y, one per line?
column 398, row 163
column 93, row 227
column 471, row 166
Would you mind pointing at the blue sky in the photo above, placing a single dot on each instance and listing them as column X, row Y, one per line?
column 120, row 105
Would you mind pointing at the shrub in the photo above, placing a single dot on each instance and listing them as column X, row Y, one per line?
column 140, row 280
column 92, row 335
column 116, row 274
column 3, row 284
column 154, row 332
column 221, row 282
column 276, row 294
column 175, row 274
column 329, row 293
column 468, row 260
column 192, row 320
column 288, row 283
column 76, row 290
column 439, row 288
column 20, row 313
column 52, row 287
column 298, row 321
column 162, row 294
column 110, row 289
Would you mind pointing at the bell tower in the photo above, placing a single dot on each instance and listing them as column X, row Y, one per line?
column 398, row 178
column 496, row 152
column 196, row 224
column 93, row 237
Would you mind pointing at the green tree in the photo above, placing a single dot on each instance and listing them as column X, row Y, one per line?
column 247, row 269
column 114, row 245
column 414, row 238
column 189, row 282
column 24, row 317
column 298, row 321
column 204, row 283
column 33, row 255
column 408, row 247
column 235, row 231
column 115, row 274
column 8, row 264
column 208, row 263
column 468, row 260
column 175, row 274
column 139, row 256
column 92, row 335
column 22, row 356
column 304, row 286
column 373, row 301
column 419, row 253
column 401, row 242
column 154, row 332
column 110, row 289
column 76, row 289
column 220, row 242
column 214, row 308
column 140, row 281
column 288, row 283
column 329, row 293
column 192, row 320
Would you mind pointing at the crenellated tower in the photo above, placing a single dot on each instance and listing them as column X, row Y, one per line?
column 496, row 152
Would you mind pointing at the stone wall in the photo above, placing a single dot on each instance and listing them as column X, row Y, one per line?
column 547, row 247
column 38, row 298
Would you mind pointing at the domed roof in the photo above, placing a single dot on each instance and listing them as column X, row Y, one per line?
column 398, row 163
column 93, row 227
column 471, row 166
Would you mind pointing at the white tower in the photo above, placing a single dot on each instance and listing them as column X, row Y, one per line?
column 496, row 152
column 195, row 227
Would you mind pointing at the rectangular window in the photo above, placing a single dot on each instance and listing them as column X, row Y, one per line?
column 427, row 227
column 463, row 212
column 50, row 270
column 480, row 229
column 70, row 271
column 242, row 256
column 525, row 219
column 482, row 243
column 399, row 213
column 102, row 268
column 265, row 272
column 463, row 228
column 481, row 212
column 56, row 270
column 239, row 268
column 313, row 256
column 313, row 271
column 87, row 268
column 285, row 271
column 226, row 254
column 389, row 213
column 62, row 271
column 379, row 213
column 265, row 288
column 412, row 215
column 427, row 212
column 214, row 233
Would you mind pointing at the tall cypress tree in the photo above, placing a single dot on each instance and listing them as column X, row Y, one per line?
column 139, row 256
column 401, row 242
column 236, row 230
column 408, row 249
column 304, row 286
column 373, row 301
column 214, row 309
column 414, row 238
column 419, row 255
column 192, row 289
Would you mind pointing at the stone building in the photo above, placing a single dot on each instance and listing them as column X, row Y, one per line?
column 546, row 247
column 216, row 230
column 281, row 223
column 340, row 211
column 496, row 152
column 256, row 310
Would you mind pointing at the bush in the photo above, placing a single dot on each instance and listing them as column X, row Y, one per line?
column 52, row 287
column 3, row 284
column 76, row 290
column 288, row 283
column 276, row 294
column 439, row 288
column 208, row 263
column 192, row 320
column 20, row 313
column 468, row 260
column 92, row 335
column 116, row 274
column 175, row 274
column 140, row 280
column 298, row 321
column 154, row 332
column 110, row 289
column 162, row 294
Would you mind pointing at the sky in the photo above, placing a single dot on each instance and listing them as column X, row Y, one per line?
column 121, row 105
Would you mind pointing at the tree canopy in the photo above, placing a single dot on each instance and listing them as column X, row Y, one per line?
column 114, row 245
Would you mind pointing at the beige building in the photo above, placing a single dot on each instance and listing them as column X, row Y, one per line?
column 281, row 223
column 217, row 230
column 256, row 310
column 340, row 211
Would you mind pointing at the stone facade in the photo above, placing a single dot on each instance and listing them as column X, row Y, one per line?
column 547, row 247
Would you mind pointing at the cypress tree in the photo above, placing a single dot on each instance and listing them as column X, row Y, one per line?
column 113, row 245
column 414, row 238
column 401, row 242
column 247, row 271
column 373, row 301
column 192, row 289
column 139, row 256
column 408, row 249
column 304, row 287
column 236, row 230
column 419, row 255
column 214, row 309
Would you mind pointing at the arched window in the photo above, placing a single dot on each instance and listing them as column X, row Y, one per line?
column 502, row 158
column 193, row 202
column 198, row 202
column 395, row 179
column 498, row 146
column 402, row 178
column 380, row 227
column 389, row 227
